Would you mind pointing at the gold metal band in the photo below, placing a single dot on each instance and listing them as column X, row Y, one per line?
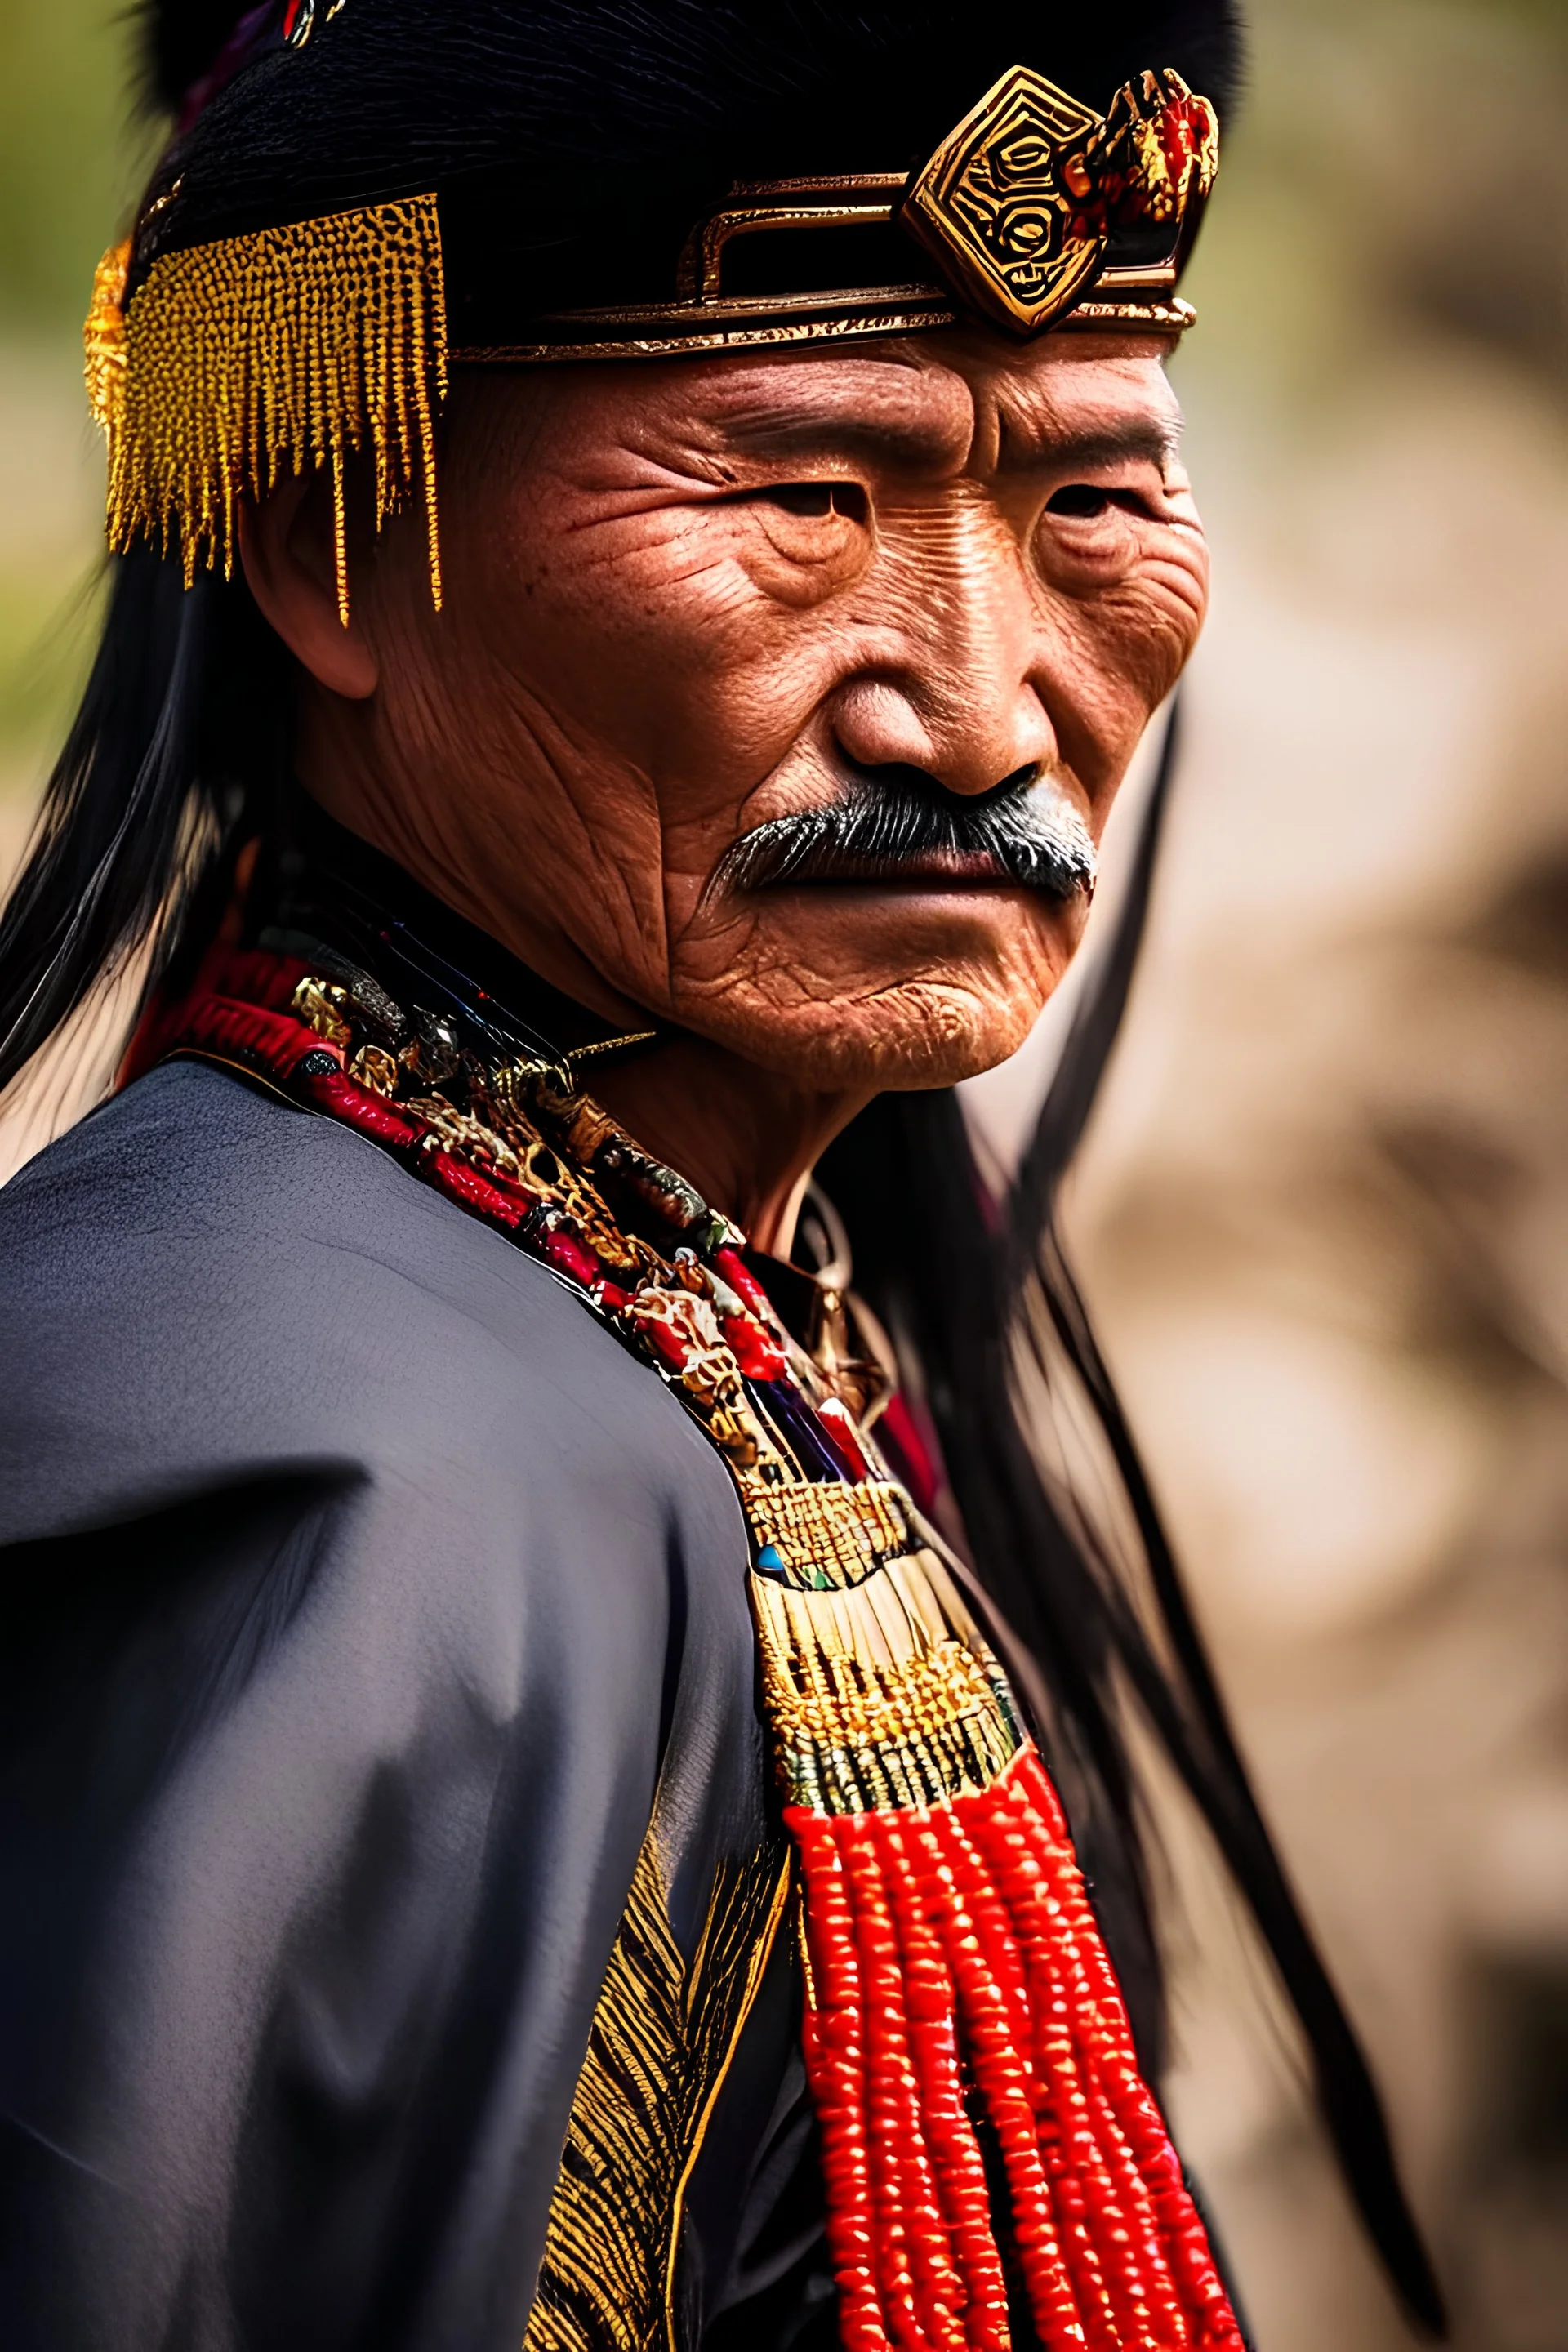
column 1165, row 318
column 828, row 329
column 766, row 204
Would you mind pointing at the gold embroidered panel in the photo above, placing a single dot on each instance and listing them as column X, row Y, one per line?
column 660, row 2048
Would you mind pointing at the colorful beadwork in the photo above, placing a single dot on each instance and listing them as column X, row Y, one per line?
column 964, row 2037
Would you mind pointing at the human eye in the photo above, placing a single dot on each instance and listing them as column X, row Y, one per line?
column 813, row 501
column 1092, row 501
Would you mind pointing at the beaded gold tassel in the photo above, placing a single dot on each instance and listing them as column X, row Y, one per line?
column 236, row 362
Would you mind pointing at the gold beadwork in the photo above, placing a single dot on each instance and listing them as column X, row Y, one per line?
column 828, row 1533
column 103, row 339
column 881, row 1689
column 323, row 1006
column 235, row 363
column 373, row 1066
column 502, row 1098
column 883, row 1694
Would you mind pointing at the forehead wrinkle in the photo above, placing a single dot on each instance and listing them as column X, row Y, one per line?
column 922, row 418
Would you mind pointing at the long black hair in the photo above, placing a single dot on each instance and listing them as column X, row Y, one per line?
column 173, row 758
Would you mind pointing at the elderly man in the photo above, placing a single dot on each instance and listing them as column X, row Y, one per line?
column 645, row 544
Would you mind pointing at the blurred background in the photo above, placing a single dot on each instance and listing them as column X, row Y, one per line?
column 1322, row 1215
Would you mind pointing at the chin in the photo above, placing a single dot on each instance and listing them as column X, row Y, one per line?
column 866, row 992
column 899, row 1038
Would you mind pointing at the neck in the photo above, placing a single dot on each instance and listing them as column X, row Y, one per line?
column 746, row 1136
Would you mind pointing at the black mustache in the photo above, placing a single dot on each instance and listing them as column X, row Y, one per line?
column 1026, row 829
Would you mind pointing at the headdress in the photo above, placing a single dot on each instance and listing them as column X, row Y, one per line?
column 260, row 321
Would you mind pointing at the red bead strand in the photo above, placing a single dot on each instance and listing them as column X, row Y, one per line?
column 1080, row 2185
column 895, row 2280
column 1103, row 2044
column 1102, row 2015
column 833, row 2044
column 921, row 2292
column 956, row 2156
column 1074, row 2178
column 1123, row 2226
column 999, row 2071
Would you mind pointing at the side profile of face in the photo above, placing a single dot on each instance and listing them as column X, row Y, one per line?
column 781, row 695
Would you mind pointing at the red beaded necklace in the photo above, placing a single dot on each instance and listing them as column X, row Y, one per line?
column 957, row 1985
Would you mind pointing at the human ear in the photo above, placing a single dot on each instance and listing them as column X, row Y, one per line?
column 286, row 544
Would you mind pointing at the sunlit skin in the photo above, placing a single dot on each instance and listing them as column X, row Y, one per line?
column 686, row 597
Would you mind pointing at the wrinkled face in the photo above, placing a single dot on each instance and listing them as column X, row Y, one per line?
column 923, row 596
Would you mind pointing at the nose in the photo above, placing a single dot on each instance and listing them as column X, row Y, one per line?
column 961, row 702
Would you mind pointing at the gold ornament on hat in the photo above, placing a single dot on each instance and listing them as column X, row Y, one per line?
column 1018, row 204
column 237, row 364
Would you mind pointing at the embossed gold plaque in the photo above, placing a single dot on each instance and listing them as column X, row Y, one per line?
column 1000, row 203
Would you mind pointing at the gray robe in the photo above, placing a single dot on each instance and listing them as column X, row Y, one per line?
column 359, row 1586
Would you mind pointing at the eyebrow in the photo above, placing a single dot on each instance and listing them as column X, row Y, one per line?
column 1156, row 438
column 919, row 442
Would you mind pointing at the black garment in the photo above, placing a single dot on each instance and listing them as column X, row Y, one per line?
column 359, row 1588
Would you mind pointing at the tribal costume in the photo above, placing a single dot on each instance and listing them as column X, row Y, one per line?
column 528, row 1831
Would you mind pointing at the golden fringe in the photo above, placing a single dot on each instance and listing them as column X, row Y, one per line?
column 660, row 2045
column 885, row 1693
column 236, row 362
column 103, row 339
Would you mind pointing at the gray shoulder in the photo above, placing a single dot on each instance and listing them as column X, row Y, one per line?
column 199, row 1281
column 192, row 1157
